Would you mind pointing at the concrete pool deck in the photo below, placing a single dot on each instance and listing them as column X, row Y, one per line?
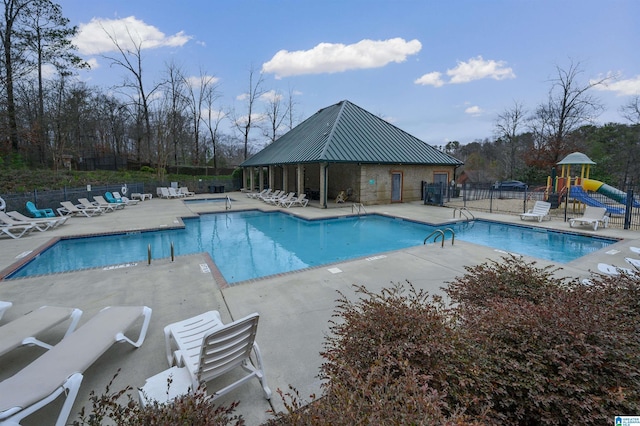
column 295, row 308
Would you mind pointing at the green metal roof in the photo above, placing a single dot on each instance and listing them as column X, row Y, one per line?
column 346, row 133
column 576, row 158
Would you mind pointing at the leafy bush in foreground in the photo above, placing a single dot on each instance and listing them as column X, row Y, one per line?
column 195, row 409
column 517, row 346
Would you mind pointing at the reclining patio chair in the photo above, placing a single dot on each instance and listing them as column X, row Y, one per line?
column 122, row 199
column 201, row 349
column 68, row 209
column 16, row 231
column 54, row 222
column 85, row 203
column 593, row 216
column 36, row 212
column 59, row 370
column 4, row 306
column 100, row 201
column 23, row 330
column 539, row 211
column 6, row 219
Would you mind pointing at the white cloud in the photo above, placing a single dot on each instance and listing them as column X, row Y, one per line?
column 465, row 72
column 628, row 87
column 337, row 57
column 474, row 110
column 196, row 81
column 271, row 96
column 95, row 37
column 431, row 79
column 477, row 69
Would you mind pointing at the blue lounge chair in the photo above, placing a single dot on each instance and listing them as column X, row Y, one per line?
column 36, row 212
column 110, row 198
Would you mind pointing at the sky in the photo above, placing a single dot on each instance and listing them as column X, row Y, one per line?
column 440, row 70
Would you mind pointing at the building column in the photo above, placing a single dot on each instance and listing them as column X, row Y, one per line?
column 300, row 179
column 285, row 177
column 324, row 181
column 272, row 177
column 261, row 178
column 250, row 177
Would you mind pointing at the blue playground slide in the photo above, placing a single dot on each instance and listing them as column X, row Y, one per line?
column 581, row 195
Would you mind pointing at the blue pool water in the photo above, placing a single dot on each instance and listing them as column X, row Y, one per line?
column 251, row 244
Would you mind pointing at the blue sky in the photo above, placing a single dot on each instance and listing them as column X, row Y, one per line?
column 440, row 70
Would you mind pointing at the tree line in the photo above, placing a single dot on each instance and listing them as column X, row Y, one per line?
column 179, row 120
column 45, row 117
column 528, row 143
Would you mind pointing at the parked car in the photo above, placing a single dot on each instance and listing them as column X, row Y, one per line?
column 510, row 185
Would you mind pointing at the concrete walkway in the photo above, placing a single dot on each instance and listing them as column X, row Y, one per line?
column 295, row 308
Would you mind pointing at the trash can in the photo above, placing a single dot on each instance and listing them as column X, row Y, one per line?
column 554, row 199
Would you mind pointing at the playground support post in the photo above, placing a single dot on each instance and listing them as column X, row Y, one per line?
column 628, row 209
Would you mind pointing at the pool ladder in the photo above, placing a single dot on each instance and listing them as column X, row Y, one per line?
column 463, row 212
column 227, row 203
column 357, row 207
column 173, row 256
column 440, row 233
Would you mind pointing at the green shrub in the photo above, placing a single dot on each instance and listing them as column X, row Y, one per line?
column 147, row 169
column 516, row 346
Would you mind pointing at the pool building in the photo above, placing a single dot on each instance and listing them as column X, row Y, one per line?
column 345, row 149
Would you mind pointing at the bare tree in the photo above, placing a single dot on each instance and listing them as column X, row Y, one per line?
column 275, row 114
column 176, row 101
column 131, row 60
column 507, row 128
column 569, row 106
column 202, row 90
column 631, row 111
column 213, row 118
column 244, row 123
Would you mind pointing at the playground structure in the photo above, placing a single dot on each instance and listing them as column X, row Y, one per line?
column 576, row 190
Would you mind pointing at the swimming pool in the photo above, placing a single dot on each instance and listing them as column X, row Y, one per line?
column 252, row 244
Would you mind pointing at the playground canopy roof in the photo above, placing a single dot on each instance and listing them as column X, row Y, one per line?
column 576, row 158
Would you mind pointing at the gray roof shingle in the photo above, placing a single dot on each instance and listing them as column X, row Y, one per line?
column 346, row 133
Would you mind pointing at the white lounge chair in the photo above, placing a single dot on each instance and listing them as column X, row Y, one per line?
column 86, row 204
column 206, row 349
column 122, row 199
column 185, row 191
column 633, row 262
column 593, row 216
column 6, row 219
column 281, row 201
column 16, row 231
column 165, row 193
column 59, row 370
column 68, row 209
column 539, row 211
column 23, row 330
column 301, row 201
column 4, row 306
column 100, row 201
column 274, row 195
column 605, row 268
column 174, row 193
column 54, row 222
column 257, row 194
column 635, row 249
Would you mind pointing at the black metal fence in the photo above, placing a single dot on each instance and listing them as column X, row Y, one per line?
column 484, row 197
column 52, row 198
